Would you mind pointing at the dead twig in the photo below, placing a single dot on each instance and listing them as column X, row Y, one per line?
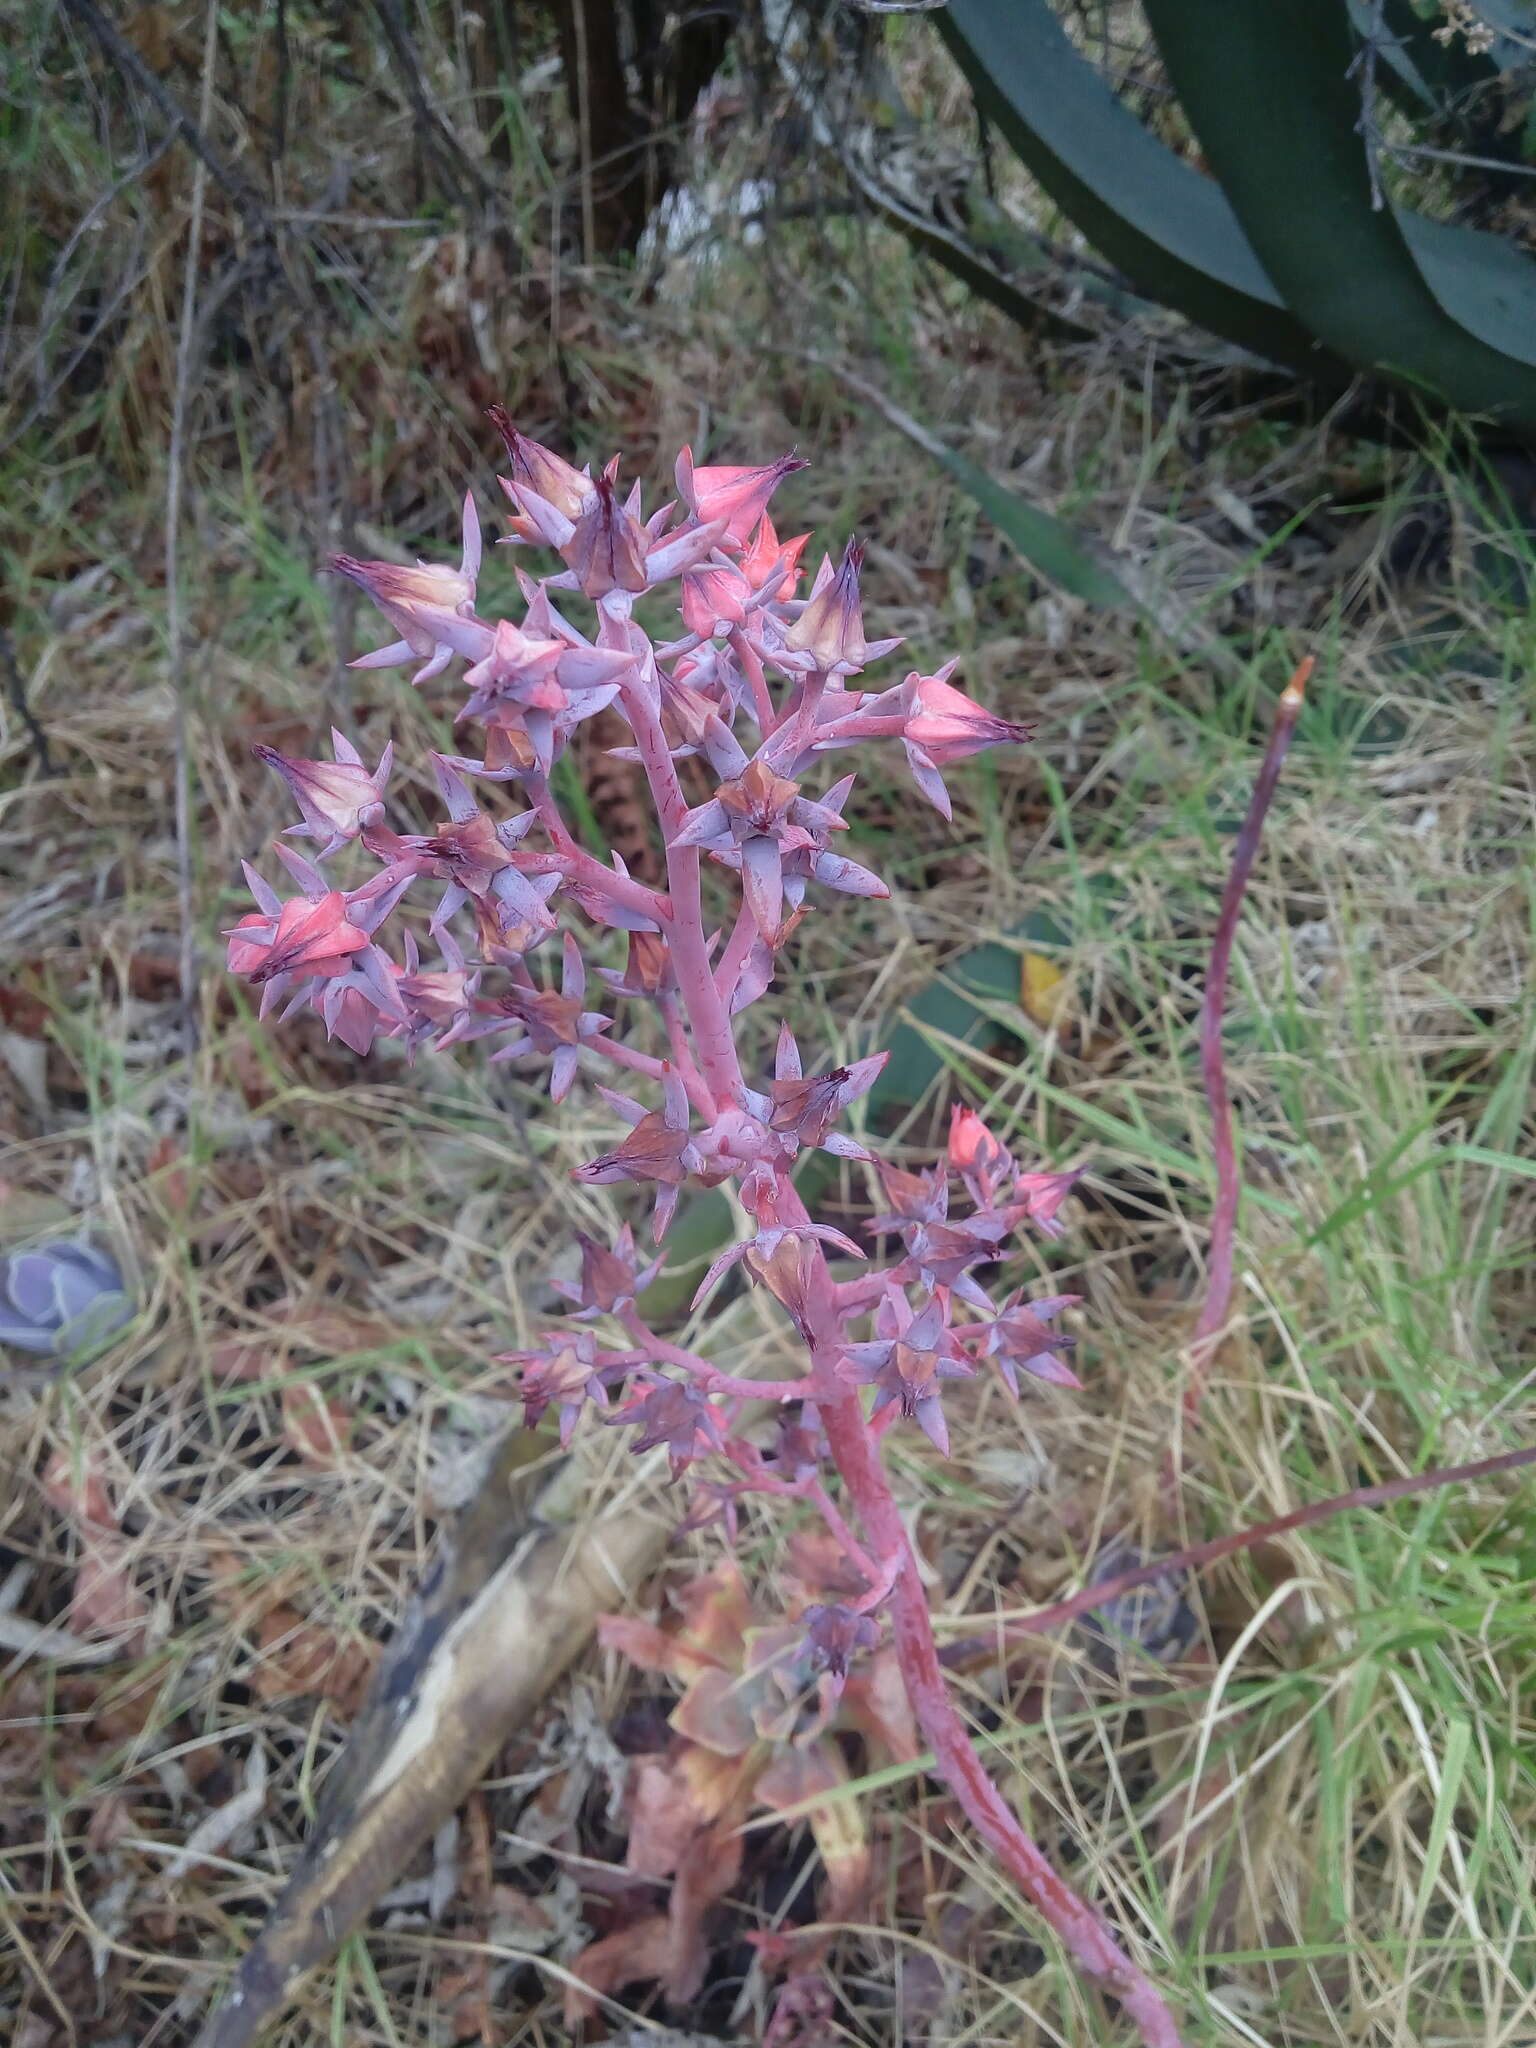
column 461, row 176
column 16, row 690
column 175, row 468
column 127, row 61
column 510, row 1601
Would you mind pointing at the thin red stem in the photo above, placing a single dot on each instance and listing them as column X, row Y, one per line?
column 685, row 939
column 1219, row 1259
column 854, row 1442
column 1197, row 1555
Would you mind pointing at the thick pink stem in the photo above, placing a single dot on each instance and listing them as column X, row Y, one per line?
column 577, row 865
column 855, row 1451
column 1089, row 1942
column 734, row 958
column 707, row 1014
column 855, row 1444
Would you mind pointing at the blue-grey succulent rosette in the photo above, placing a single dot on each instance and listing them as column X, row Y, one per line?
column 61, row 1299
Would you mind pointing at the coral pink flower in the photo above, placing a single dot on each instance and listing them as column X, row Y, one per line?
column 948, row 725
column 305, row 938
column 768, row 559
column 737, row 495
column 1042, row 1194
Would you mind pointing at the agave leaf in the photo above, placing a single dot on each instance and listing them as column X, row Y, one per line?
column 1074, row 562
column 1077, row 563
column 1443, row 311
column 1155, row 217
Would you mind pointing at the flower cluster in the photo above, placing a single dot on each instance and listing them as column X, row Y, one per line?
column 762, row 680
column 729, row 719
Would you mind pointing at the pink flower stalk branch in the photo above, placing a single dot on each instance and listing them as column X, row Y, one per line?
column 558, row 956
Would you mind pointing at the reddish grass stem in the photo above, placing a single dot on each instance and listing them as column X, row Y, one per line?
column 1218, row 1294
column 1218, row 1547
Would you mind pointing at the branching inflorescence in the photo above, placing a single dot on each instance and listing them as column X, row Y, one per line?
column 760, row 684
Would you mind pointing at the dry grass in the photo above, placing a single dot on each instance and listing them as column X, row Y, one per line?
column 1317, row 1822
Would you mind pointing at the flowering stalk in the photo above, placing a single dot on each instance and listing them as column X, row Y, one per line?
column 738, row 709
column 1213, row 1067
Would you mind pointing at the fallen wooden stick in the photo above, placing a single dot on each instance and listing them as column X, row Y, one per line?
column 511, row 1599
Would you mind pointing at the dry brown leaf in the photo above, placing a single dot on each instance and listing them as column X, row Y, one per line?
column 318, row 1429
column 641, row 1953
column 105, row 1600
column 298, row 1657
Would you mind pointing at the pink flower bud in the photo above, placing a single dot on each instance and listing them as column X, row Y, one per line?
column 606, row 550
column 981, row 1161
column 539, row 469
column 948, row 726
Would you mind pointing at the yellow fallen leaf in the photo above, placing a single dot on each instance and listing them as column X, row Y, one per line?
column 1043, row 991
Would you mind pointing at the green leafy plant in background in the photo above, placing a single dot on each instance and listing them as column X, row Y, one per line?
column 1291, row 248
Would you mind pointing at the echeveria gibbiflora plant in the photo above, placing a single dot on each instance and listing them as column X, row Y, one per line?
column 762, row 689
